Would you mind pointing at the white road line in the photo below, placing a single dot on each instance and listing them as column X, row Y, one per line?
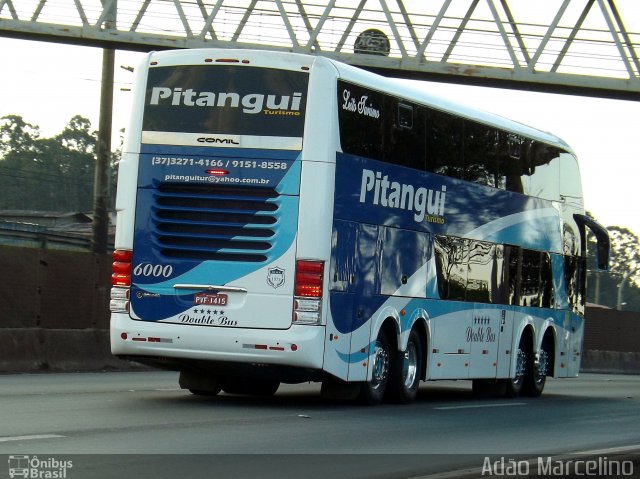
column 29, row 438
column 478, row 406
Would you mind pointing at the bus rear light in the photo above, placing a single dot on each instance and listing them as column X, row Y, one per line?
column 119, row 300
column 217, row 172
column 307, row 301
column 120, row 281
column 122, row 255
column 226, row 60
column 121, row 268
column 308, row 281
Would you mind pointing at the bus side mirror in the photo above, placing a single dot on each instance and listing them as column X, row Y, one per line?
column 602, row 238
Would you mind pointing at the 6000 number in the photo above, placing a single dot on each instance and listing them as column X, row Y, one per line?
column 153, row 270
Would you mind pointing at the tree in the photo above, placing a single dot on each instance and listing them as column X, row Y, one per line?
column 16, row 135
column 46, row 173
column 622, row 282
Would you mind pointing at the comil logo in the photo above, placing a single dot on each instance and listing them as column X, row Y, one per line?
column 218, row 141
column 251, row 103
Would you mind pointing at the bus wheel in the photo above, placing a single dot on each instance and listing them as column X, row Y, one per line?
column 406, row 371
column 250, row 386
column 372, row 392
column 514, row 385
column 537, row 374
column 199, row 384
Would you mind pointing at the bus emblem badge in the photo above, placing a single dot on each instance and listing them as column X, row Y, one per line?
column 275, row 278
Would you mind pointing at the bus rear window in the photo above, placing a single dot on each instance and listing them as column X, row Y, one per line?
column 225, row 99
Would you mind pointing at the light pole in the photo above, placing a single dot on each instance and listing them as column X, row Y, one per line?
column 625, row 277
column 100, row 229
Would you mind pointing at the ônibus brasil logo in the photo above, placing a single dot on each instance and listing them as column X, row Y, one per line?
column 251, row 103
column 38, row 468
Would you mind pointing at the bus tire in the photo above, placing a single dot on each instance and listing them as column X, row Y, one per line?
column 199, row 384
column 372, row 392
column 536, row 377
column 515, row 384
column 488, row 388
column 250, row 386
column 406, row 371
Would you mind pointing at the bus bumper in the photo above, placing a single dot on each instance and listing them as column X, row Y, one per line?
column 299, row 346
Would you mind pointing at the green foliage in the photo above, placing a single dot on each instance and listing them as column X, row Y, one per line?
column 621, row 284
column 49, row 174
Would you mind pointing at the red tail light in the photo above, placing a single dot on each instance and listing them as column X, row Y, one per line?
column 309, row 279
column 121, row 268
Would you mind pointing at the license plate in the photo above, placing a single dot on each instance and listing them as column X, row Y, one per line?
column 207, row 299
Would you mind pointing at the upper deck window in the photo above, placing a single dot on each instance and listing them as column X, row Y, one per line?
column 225, row 99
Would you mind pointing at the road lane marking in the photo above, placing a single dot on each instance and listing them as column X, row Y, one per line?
column 32, row 437
column 477, row 406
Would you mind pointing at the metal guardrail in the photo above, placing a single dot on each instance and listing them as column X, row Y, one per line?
column 36, row 236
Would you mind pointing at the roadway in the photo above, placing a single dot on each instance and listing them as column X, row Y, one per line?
column 143, row 425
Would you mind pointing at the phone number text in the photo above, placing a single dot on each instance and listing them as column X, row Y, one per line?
column 208, row 162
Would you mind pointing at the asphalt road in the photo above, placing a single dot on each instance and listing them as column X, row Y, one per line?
column 141, row 425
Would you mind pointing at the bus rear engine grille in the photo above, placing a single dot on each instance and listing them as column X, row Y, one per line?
column 212, row 222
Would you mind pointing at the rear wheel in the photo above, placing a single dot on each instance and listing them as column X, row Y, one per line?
column 372, row 392
column 536, row 377
column 515, row 384
column 406, row 371
column 250, row 386
column 199, row 384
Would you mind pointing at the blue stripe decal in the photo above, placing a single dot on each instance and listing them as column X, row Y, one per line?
column 378, row 193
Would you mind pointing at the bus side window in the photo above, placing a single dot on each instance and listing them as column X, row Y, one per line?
column 396, row 266
column 481, row 280
column 512, row 169
column 530, row 279
column 343, row 253
column 547, row 299
column 512, row 264
column 451, row 267
column 480, row 154
column 444, row 144
column 574, row 277
column 405, row 142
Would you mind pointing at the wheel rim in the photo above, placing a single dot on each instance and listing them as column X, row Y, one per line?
column 410, row 365
column 521, row 364
column 380, row 366
column 543, row 365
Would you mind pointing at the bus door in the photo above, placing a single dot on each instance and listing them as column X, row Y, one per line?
column 505, row 344
column 352, row 300
column 485, row 335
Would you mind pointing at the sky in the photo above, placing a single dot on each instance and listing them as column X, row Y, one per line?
column 48, row 83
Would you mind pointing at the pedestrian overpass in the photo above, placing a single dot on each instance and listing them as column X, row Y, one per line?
column 585, row 47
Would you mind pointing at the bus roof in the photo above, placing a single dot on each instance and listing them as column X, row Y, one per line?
column 414, row 92
column 411, row 91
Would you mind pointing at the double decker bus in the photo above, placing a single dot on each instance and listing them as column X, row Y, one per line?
column 289, row 218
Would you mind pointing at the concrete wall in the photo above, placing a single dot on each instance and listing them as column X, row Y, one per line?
column 611, row 341
column 54, row 311
column 54, row 316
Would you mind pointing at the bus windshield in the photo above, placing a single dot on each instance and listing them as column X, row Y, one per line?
column 225, row 99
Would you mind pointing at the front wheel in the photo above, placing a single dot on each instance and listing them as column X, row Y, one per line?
column 372, row 392
column 406, row 371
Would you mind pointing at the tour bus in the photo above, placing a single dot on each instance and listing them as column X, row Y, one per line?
column 284, row 218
